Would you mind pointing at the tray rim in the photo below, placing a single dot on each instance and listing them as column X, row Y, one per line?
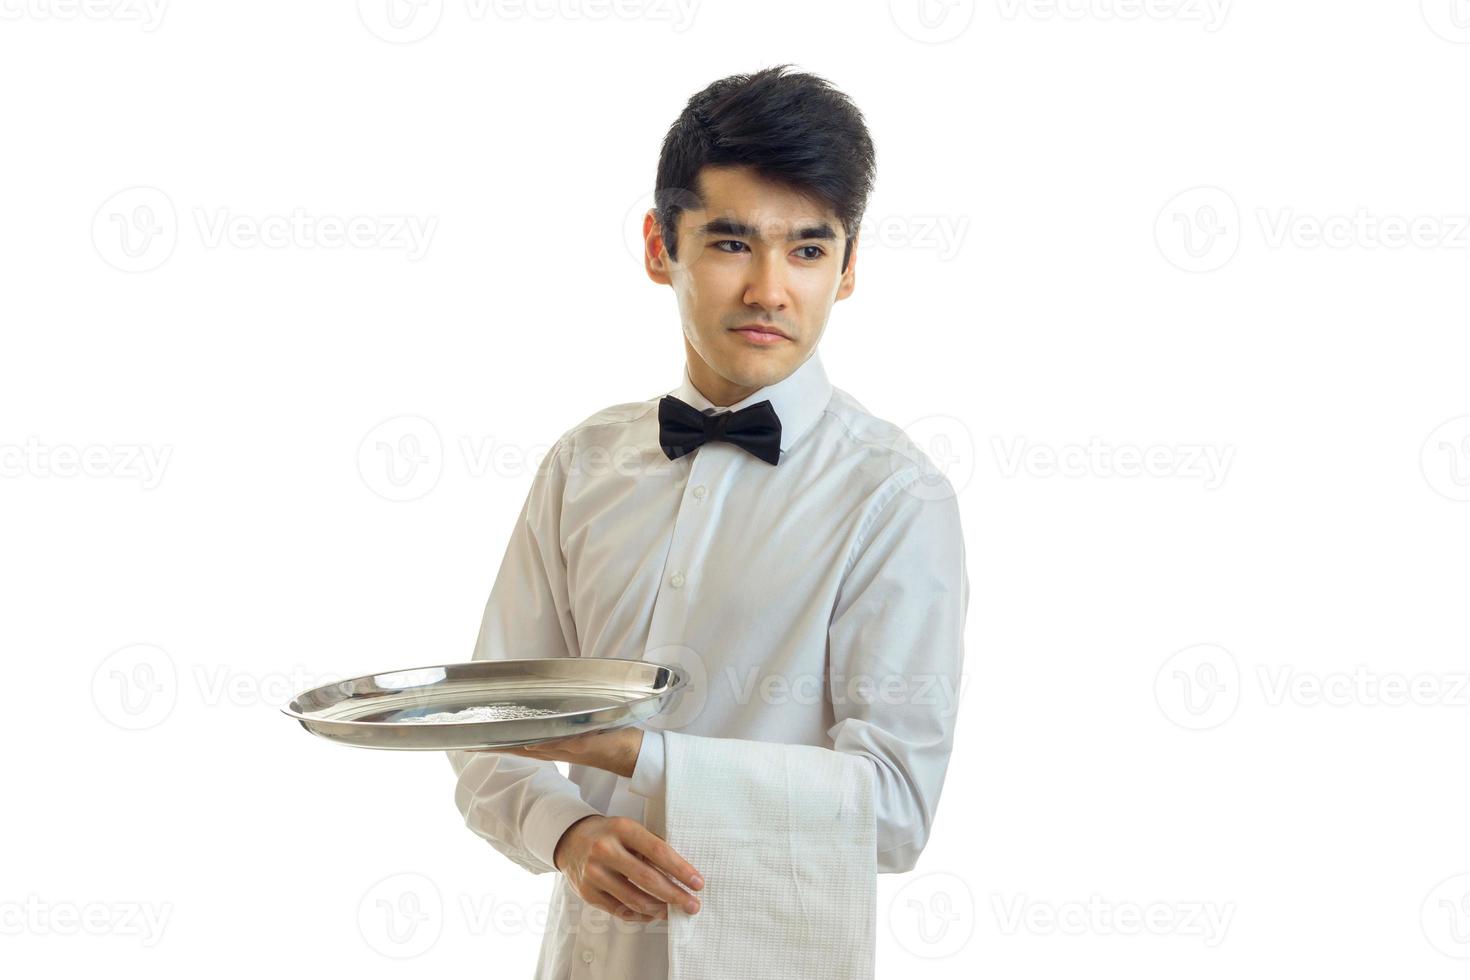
column 679, row 680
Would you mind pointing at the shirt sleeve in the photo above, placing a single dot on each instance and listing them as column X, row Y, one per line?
column 523, row 806
column 648, row 772
column 895, row 649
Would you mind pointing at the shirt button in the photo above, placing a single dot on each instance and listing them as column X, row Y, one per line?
column 699, row 490
column 677, row 581
column 586, row 956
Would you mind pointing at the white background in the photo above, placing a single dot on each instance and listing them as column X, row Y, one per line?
column 1227, row 701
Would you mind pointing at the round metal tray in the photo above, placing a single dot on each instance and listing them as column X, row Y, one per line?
column 565, row 695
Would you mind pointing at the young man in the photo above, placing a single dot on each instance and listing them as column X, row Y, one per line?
column 756, row 526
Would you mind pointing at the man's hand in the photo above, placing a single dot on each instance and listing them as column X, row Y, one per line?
column 619, row 865
column 616, row 751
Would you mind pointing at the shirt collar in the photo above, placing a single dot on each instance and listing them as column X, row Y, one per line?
column 799, row 398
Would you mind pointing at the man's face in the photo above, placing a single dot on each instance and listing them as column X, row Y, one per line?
column 756, row 253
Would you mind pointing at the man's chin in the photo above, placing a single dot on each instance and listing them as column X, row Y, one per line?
column 759, row 368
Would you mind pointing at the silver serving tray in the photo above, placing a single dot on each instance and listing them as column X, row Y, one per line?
column 567, row 695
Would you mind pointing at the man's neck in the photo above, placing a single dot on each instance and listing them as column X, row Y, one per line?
column 721, row 392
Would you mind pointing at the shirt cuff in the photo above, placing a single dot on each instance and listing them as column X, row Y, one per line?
column 648, row 772
column 548, row 819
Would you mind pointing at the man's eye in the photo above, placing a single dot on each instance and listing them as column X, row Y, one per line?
column 813, row 248
column 728, row 241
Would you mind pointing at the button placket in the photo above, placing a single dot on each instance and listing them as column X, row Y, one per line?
column 591, row 939
column 669, row 606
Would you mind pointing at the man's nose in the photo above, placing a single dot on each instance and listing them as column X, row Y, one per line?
column 766, row 286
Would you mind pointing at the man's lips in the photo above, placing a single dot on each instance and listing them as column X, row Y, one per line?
column 761, row 333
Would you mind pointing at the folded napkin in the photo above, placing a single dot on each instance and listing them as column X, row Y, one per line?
column 785, row 838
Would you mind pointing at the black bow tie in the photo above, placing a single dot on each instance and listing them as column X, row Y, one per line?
column 682, row 428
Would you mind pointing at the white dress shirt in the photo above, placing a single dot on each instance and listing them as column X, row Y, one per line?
column 820, row 601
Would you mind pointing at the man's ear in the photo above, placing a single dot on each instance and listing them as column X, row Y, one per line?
column 849, row 277
column 655, row 255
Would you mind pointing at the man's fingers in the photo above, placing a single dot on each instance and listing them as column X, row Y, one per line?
column 611, row 904
column 652, row 882
column 662, row 856
column 630, row 896
column 609, row 875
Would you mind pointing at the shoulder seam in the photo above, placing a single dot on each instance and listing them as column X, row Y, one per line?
column 588, row 422
column 859, row 439
column 882, row 497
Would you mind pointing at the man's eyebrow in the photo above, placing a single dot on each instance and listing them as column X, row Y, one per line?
column 739, row 229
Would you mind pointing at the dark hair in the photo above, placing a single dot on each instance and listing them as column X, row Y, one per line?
column 794, row 129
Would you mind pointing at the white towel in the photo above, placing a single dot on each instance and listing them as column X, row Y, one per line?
column 785, row 838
